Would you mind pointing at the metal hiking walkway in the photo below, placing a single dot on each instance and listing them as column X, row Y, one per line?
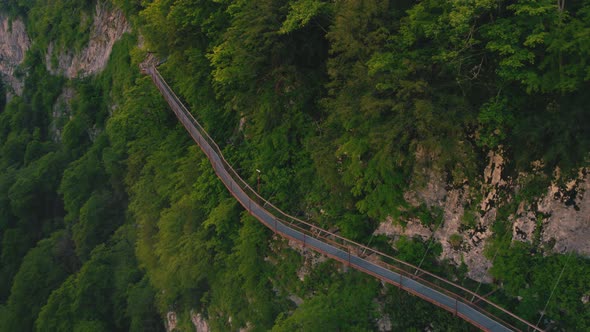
column 478, row 311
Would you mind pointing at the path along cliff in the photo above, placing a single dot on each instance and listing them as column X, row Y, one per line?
column 421, row 283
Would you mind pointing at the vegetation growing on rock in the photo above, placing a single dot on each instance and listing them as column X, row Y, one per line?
column 346, row 107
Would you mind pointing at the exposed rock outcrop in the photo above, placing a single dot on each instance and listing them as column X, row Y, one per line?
column 311, row 259
column 568, row 224
column 296, row 299
column 452, row 201
column 200, row 323
column 14, row 43
column 171, row 321
column 384, row 324
column 108, row 26
column 471, row 250
column 560, row 219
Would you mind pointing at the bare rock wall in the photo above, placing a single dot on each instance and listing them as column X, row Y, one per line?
column 14, row 43
column 108, row 27
column 564, row 213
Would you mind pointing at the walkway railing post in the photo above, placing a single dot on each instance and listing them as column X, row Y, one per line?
column 303, row 240
column 348, row 256
column 456, row 305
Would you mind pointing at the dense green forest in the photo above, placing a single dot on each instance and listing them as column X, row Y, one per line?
column 110, row 216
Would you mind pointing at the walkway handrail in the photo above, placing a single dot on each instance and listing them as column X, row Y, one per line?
column 409, row 271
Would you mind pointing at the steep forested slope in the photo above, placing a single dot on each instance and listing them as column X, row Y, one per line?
column 111, row 219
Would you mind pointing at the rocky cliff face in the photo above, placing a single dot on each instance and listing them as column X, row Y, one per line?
column 108, row 27
column 14, row 43
column 558, row 221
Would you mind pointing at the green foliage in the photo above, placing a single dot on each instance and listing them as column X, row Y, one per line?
column 40, row 272
column 532, row 187
column 253, row 301
column 2, row 97
column 469, row 219
column 493, row 119
column 66, row 23
column 455, row 240
column 533, row 277
column 430, row 217
column 95, row 296
column 80, row 179
column 396, row 89
column 32, row 165
column 284, row 275
column 354, row 155
column 330, row 309
column 534, row 42
column 342, row 105
column 129, row 7
column 33, row 193
column 409, row 313
column 141, row 308
column 99, row 217
column 418, row 252
column 301, row 13
column 15, row 244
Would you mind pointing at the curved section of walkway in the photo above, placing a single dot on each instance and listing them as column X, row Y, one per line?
column 478, row 311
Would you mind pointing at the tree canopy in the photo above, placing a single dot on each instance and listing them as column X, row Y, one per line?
column 110, row 216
